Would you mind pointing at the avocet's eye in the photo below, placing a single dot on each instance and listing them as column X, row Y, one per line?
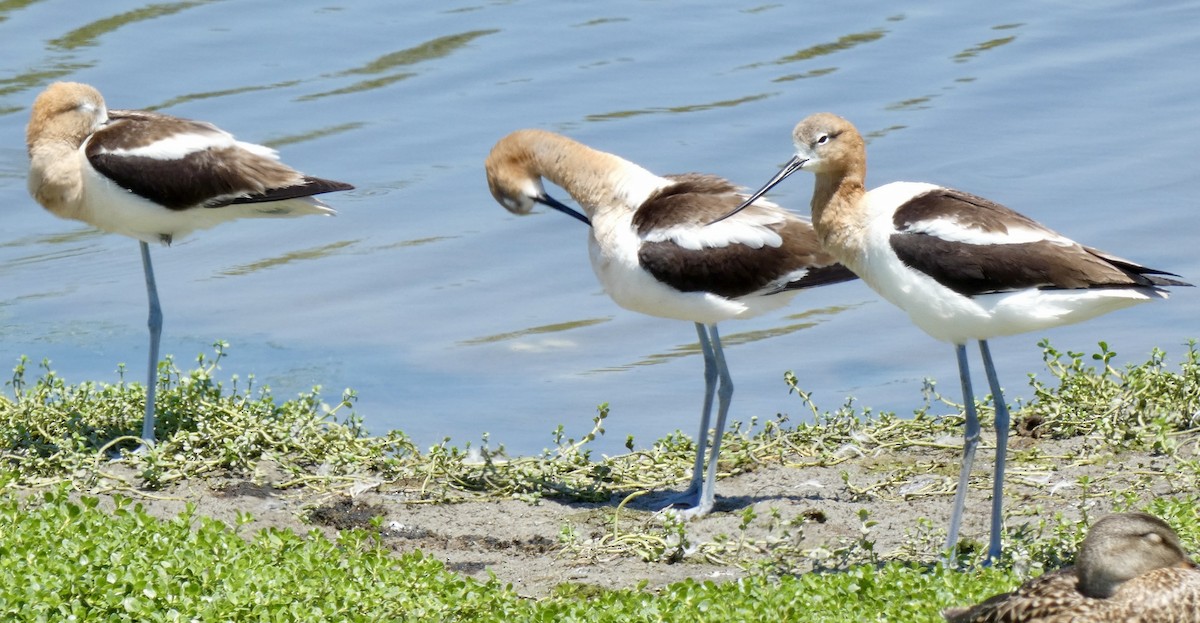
column 821, row 140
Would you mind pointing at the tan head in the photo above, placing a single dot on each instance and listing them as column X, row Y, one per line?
column 511, row 176
column 514, row 176
column 65, row 111
column 827, row 143
column 1122, row 546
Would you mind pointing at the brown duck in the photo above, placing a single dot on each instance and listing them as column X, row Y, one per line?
column 1131, row 568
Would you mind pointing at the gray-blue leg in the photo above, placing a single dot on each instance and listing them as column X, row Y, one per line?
column 710, row 386
column 970, row 442
column 690, row 497
column 724, row 396
column 155, row 324
column 698, row 498
column 1002, row 426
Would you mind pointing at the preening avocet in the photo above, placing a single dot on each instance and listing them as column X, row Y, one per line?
column 963, row 267
column 1131, row 567
column 155, row 178
column 652, row 253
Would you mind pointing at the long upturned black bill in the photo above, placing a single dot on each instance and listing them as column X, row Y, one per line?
column 791, row 167
column 547, row 200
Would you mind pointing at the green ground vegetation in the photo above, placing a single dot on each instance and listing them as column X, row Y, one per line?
column 64, row 556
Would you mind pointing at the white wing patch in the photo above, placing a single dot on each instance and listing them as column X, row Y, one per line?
column 260, row 150
column 751, row 228
column 634, row 185
column 178, row 146
column 777, row 284
column 953, row 231
column 885, row 200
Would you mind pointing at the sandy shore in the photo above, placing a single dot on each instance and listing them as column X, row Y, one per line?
column 802, row 514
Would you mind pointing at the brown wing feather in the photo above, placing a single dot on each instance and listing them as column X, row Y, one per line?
column 964, row 208
column 973, row 269
column 210, row 178
column 733, row 270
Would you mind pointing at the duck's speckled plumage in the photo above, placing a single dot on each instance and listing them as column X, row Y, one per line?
column 1131, row 569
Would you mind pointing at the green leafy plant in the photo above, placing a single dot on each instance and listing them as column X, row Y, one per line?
column 75, row 541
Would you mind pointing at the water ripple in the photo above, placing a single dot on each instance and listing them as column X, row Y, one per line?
column 203, row 95
column 557, row 327
column 314, row 134
column 601, row 20
column 430, row 50
column 287, row 258
column 812, row 73
column 47, row 71
column 88, row 35
column 807, row 320
column 975, row 50
column 845, row 42
column 8, row 6
column 623, row 114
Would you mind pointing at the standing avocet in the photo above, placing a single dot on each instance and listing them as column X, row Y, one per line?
column 155, row 178
column 963, row 267
column 652, row 253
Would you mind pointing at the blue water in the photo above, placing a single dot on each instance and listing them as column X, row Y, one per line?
column 451, row 317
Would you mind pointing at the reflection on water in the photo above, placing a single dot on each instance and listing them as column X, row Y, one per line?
column 203, row 95
column 417, row 242
column 912, row 103
column 812, row 73
column 845, row 42
column 8, row 6
column 89, row 34
column 53, row 70
column 85, row 36
column 624, row 114
column 428, row 51
column 603, row 20
column 882, row 132
column 991, row 44
column 970, row 53
column 925, row 102
column 49, row 248
column 48, row 254
column 288, row 258
column 557, row 327
column 81, row 334
column 314, row 134
column 760, row 9
column 810, row 319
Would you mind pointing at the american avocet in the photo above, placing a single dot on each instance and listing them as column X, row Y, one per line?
column 1131, row 567
column 155, row 178
column 963, row 267
column 651, row 252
